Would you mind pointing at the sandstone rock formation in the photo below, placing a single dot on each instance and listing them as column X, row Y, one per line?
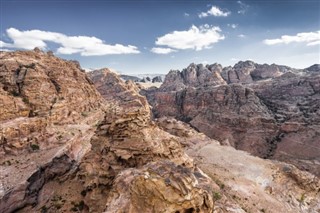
column 247, row 183
column 121, row 155
column 270, row 111
column 48, row 112
column 127, row 151
column 115, row 158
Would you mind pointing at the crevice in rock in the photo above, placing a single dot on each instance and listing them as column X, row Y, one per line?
column 180, row 97
column 59, row 166
column 56, row 85
column 273, row 145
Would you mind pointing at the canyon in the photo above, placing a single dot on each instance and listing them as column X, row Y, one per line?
column 270, row 111
column 90, row 142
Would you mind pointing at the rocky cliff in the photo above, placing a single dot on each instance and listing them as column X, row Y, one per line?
column 115, row 158
column 127, row 165
column 48, row 112
column 270, row 111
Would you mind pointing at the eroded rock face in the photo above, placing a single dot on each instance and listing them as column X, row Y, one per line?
column 37, row 90
column 160, row 187
column 48, row 111
column 112, row 88
column 119, row 160
column 247, row 183
column 294, row 102
column 134, row 164
column 194, row 75
column 131, row 165
column 270, row 111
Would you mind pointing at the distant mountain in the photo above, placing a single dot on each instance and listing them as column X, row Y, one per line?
column 314, row 68
column 130, row 77
column 144, row 78
column 271, row 111
column 72, row 141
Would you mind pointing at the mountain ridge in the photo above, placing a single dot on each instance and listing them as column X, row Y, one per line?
column 98, row 149
column 250, row 106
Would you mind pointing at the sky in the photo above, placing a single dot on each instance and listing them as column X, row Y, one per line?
column 155, row 36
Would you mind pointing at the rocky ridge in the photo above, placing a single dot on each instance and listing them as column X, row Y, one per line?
column 270, row 111
column 120, row 160
column 126, row 151
column 49, row 108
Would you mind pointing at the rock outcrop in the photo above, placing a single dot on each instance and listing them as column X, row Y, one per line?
column 270, row 111
column 48, row 112
column 247, row 183
column 157, row 79
column 130, row 152
column 117, row 159
column 131, row 165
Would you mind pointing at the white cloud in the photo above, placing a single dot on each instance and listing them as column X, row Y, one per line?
column 160, row 50
column 84, row 45
column 5, row 50
column 214, row 11
column 242, row 36
column 243, row 7
column 234, row 59
column 186, row 14
column 233, row 26
column 194, row 38
column 314, row 43
column 311, row 38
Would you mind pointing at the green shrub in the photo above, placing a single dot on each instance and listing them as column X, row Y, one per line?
column 216, row 196
column 34, row 147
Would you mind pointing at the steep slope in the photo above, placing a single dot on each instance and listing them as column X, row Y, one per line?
column 123, row 161
column 131, row 166
column 48, row 112
column 237, row 176
column 247, row 183
column 270, row 111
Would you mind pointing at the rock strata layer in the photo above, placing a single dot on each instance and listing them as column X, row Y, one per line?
column 113, row 157
column 271, row 111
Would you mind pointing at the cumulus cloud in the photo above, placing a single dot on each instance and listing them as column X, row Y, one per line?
column 84, row 45
column 186, row 14
column 194, row 38
column 242, row 36
column 160, row 50
column 214, row 11
column 310, row 38
column 243, row 7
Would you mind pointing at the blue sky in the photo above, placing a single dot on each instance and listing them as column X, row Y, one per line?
column 143, row 36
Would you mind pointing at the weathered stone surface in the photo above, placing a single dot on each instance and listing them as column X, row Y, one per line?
column 126, row 146
column 270, row 111
column 161, row 187
column 247, row 183
column 129, row 139
column 134, row 164
column 48, row 86
column 194, row 75
column 48, row 109
column 112, row 88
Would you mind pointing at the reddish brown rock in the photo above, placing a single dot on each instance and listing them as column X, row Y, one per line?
column 273, row 111
column 133, row 164
column 48, row 111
